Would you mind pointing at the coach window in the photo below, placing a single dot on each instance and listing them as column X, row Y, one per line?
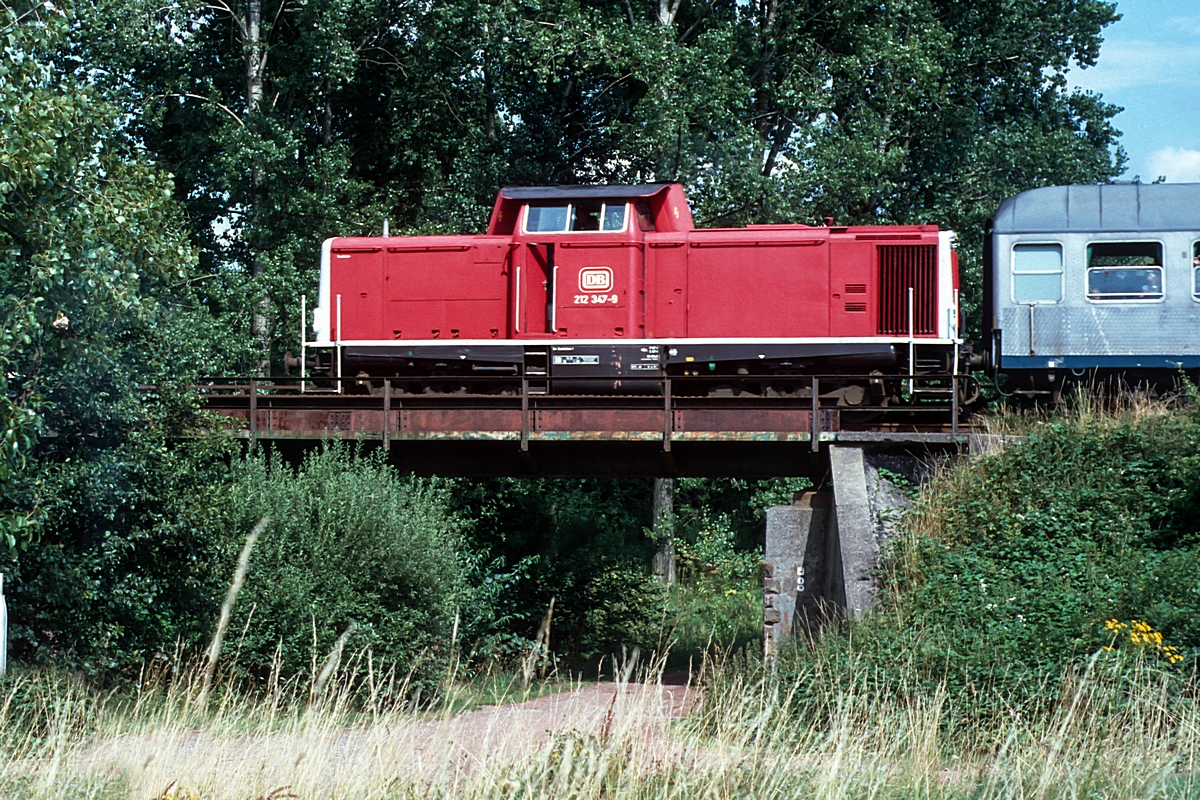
column 1124, row 272
column 1196, row 271
column 1037, row 273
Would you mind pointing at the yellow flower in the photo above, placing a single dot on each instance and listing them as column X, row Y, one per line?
column 1142, row 634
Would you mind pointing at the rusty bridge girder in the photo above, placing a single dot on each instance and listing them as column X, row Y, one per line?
column 526, row 433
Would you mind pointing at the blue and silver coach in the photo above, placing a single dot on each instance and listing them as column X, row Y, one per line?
column 1093, row 280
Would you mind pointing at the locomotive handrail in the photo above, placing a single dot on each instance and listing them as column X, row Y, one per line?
column 285, row 381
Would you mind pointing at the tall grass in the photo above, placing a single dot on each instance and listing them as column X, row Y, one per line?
column 1116, row 733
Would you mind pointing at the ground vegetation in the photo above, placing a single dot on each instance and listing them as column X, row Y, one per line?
column 1071, row 550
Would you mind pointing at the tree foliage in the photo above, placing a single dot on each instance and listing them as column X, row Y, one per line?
column 92, row 259
column 328, row 116
column 96, row 510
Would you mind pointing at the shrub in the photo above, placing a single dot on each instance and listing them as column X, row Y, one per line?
column 1015, row 560
column 718, row 600
column 121, row 564
column 624, row 610
column 351, row 544
column 577, row 541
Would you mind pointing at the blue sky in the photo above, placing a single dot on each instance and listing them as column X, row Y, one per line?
column 1150, row 65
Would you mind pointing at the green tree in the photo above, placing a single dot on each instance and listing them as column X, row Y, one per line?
column 286, row 123
column 90, row 246
column 95, row 270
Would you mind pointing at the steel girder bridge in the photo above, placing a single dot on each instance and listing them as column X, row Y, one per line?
column 527, row 430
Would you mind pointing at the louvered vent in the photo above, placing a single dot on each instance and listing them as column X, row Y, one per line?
column 904, row 267
column 856, row 308
column 856, row 288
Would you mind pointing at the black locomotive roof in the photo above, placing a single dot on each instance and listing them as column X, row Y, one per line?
column 577, row 192
column 1108, row 207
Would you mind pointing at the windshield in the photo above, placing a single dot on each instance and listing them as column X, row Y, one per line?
column 585, row 215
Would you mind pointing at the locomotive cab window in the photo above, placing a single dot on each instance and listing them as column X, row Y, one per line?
column 1124, row 271
column 645, row 220
column 1037, row 273
column 586, row 215
column 546, row 219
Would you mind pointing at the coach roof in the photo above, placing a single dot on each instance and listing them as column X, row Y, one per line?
column 1108, row 207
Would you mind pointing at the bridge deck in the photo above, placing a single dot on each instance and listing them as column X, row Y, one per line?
column 528, row 433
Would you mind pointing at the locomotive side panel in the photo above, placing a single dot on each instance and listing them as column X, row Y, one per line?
column 446, row 288
column 666, row 286
column 598, row 289
column 356, row 292
column 853, row 287
column 748, row 284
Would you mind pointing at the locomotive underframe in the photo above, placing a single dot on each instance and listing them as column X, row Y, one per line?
column 856, row 374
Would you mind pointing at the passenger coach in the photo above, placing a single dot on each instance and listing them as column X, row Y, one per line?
column 1093, row 281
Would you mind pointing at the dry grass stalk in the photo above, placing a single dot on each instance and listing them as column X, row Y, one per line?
column 748, row 740
column 532, row 663
column 235, row 586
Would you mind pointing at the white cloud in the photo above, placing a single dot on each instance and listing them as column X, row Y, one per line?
column 1178, row 164
column 1174, row 25
column 1128, row 64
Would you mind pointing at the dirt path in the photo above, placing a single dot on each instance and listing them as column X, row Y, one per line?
column 592, row 710
column 447, row 752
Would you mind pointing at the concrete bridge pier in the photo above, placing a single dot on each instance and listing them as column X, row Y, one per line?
column 823, row 549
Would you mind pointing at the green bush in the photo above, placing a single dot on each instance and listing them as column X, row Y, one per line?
column 121, row 564
column 624, row 610
column 718, row 600
column 1015, row 561
column 350, row 544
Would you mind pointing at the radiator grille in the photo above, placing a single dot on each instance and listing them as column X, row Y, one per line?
column 904, row 267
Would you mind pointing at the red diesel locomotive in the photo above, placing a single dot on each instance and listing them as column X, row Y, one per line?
column 611, row 289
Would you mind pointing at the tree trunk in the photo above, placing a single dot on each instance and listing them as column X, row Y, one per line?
column 667, row 9
column 663, row 520
column 489, row 90
column 764, row 101
column 255, row 58
column 327, row 115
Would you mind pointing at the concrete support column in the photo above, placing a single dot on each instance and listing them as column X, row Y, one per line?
column 853, row 534
column 794, row 573
column 822, row 551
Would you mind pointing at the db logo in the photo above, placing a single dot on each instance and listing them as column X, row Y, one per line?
column 595, row 279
